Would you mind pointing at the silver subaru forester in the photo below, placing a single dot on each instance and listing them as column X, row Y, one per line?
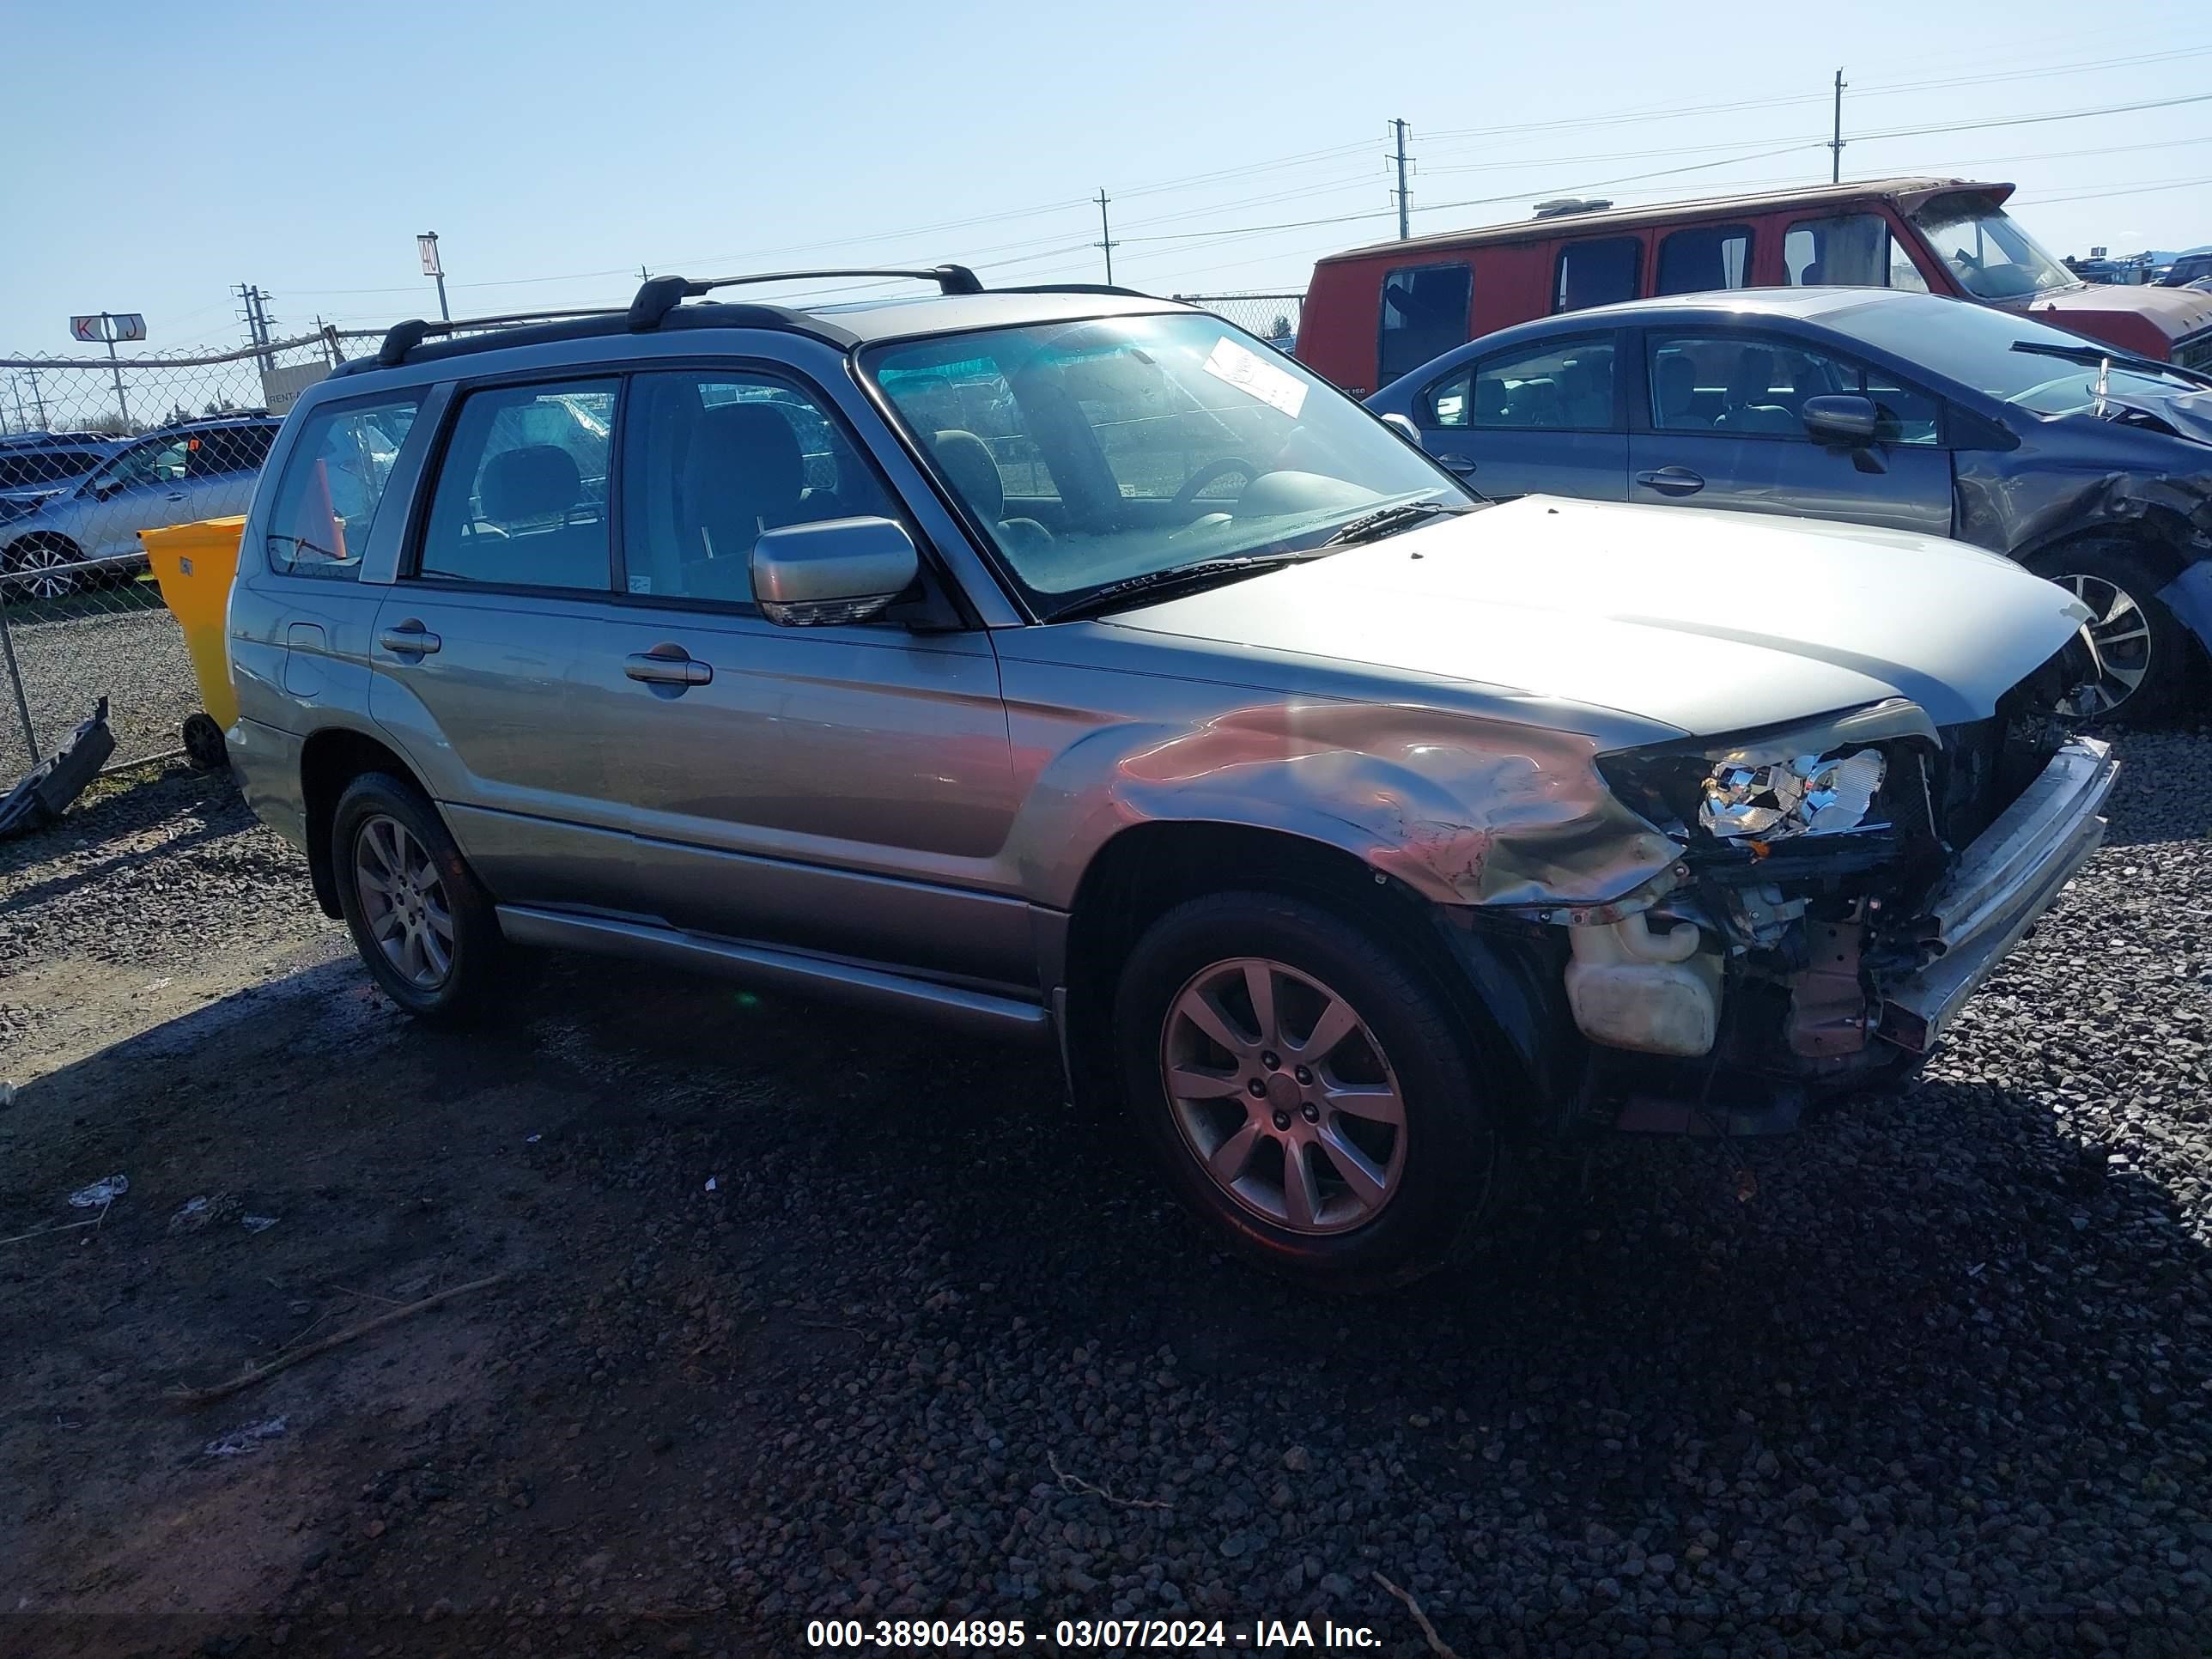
column 1068, row 664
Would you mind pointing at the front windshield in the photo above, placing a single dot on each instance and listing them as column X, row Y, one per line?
column 1094, row 451
column 1976, row 346
column 1992, row 257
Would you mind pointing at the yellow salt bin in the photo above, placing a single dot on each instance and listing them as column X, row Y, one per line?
column 194, row 564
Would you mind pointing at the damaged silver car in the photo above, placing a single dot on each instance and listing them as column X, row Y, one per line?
column 1066, row 665
column 1899, row 411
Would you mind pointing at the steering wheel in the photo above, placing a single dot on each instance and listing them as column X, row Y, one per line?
column 1186, row 497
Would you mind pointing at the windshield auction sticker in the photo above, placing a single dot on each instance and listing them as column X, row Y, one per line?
column 1250, row 372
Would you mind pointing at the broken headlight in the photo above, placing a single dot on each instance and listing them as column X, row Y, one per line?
column 1805, row 795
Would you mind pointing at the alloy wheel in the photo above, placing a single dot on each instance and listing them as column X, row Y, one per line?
column 402, row 900
column 2119, row 639
column 31, row 571
column 1284, row 1094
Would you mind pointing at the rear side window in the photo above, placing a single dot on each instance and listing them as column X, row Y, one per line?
column 226, row 449
column 333, row 487
column 521, row 499
column 1425, row 314
column 1852, row 250
column 1704, row 258
column 1598, row 273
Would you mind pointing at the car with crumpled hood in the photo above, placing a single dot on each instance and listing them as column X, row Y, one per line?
column 1069, row 667
column 2088, row 465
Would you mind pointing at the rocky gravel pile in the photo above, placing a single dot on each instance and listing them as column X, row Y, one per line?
column 931, row 1343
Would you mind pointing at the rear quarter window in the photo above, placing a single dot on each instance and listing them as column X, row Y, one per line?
column 333, row 487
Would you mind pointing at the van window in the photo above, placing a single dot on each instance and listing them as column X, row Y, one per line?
column 1425, row 314
column 1852, row 250
column 1561, row 386
column 1598, row 273
column 1704, row 258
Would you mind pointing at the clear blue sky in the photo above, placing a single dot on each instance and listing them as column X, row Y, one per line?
column 162, row 154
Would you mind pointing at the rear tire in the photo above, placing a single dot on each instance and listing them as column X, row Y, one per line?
column 1341, row 1135
column 2144, row 651
column 424, row 926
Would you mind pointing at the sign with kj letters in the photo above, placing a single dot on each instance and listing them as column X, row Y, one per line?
column 124, row 324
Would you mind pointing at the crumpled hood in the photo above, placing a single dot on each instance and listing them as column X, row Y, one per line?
column 1706, row 621
column 2188, row 413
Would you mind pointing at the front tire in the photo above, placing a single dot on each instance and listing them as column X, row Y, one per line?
column 424, row 927
column 2141, row 651
column 32, row 564
column 1306, row 1091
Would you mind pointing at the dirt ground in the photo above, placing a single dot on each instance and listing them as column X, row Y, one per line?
column 795, row 1313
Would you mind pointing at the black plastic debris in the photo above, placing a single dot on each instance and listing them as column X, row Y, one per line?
column 44, row 794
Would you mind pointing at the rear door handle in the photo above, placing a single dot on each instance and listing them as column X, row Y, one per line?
column 176, row 495
column 409, row 639
column 668, row 664
column 1455, row 463
column 1672, row 480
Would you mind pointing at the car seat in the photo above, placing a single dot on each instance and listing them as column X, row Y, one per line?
column 968, row 462
column 528, row 494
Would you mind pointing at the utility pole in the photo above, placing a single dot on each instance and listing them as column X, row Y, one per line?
column 16, row 385
column 38, row 399
column 1405, row 199
column 256, row 319
column 1106, row 235
column 1836, row 144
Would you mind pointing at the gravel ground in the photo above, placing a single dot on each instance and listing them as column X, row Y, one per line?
column 929, row 1344
column 113, row 645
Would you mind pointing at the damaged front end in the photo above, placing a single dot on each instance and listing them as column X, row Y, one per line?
column 1842, row 885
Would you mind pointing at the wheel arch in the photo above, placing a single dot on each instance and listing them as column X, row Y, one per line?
column 1503, row 988
column 330, row 760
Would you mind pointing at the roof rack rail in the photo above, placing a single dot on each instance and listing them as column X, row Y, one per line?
column 403, row 337
column 658, row 295
column 1080, row 288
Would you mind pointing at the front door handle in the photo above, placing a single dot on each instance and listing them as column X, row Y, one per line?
column 1672, row 480
column 668, row 664
column 176, row 495
column 409, row 639
column 1455, row 463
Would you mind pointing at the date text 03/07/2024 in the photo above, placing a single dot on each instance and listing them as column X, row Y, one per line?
column 1169, row 1635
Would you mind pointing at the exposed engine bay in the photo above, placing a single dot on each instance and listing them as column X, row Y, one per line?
column 1819, row 888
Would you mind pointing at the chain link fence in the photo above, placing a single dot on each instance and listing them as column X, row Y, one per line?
column 94, row 451
column 1273, row 317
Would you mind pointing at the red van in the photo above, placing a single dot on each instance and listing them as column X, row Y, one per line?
column 1374, row 314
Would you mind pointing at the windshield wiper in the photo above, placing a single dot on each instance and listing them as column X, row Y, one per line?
column 1389, row 521
column 1204, row 573
column 2095, row 357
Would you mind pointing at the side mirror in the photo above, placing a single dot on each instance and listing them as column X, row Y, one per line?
column 839, row 570
column 1404, row 427
column 103, row 487
column 1845, row 420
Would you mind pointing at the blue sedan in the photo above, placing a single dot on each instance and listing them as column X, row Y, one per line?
column 1902, row 410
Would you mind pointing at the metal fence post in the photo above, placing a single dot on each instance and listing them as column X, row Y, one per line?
column 15, row 678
